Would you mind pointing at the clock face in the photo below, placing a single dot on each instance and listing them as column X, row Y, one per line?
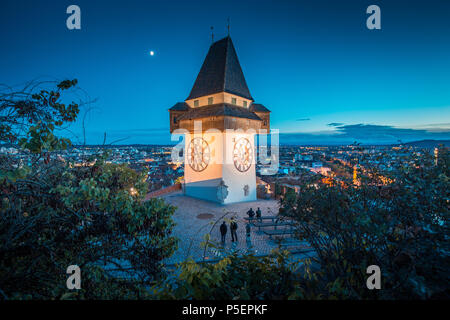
column 242, row 155
column 198, row 154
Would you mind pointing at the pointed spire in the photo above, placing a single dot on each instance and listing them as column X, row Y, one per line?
column 220, row 72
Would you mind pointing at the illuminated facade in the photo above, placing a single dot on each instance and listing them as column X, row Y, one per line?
column 219, row 120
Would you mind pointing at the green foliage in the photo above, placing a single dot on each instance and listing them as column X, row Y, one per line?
column 233, row 277
column 30, row 117
column 54, row 214
column 289, row 199
column 277, row 190
column 401, row 227
column 85, row 216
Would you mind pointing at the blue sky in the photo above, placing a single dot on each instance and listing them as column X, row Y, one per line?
column 325, row 76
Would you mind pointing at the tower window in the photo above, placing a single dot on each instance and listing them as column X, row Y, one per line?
column 245, row 103
column 174, row 119
column 233, row 100
column 210, row 100
column 195, row 103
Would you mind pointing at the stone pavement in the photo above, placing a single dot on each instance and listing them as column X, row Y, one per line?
column 196, row 218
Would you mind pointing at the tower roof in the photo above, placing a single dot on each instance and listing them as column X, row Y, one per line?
column 220, row 72
column 257, row 107
column 180, row 106
column 220, row 109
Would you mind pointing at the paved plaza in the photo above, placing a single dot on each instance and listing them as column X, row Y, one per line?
column 197, row 218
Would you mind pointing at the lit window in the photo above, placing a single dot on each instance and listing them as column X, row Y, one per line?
column 195, row 103
column 245, row 103
column 210, row 100
column 233, row 100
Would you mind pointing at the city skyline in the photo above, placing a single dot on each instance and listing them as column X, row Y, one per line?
column 327, row 78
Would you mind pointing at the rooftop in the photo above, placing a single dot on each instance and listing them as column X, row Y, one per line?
column 257, row 107
column 220, row 109
column 180, row 106
column 220, row 72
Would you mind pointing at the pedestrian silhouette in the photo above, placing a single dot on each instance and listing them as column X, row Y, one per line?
column 258, row 213
column 233, row 228
column 223, row 231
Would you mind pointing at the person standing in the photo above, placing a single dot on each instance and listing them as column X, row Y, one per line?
column 258, row 214
column 233, row 228
column 223, row 231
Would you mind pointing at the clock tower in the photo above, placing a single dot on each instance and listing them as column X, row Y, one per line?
column 219, row 120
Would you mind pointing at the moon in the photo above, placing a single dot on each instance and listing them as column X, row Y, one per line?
column 152, row 53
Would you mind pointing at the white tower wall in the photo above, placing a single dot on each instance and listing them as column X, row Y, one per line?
column 235, row 179
column 204, row 184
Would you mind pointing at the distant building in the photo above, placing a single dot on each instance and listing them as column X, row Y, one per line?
column 321, row 170
column 436, row 156
column 301, row 157
column 316, row 164
column 356, row 181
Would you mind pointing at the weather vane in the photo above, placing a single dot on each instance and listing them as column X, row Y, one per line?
column 212, row 34
column 228, row 25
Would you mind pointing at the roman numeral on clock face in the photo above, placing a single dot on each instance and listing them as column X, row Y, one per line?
column 198, row 154
column 242, row 155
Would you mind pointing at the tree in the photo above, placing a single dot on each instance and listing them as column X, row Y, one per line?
column 55, row 213
column 248, row 277
column 30, row 116
column 401, row 226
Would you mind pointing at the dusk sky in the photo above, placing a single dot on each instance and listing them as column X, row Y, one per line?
column 326, row 78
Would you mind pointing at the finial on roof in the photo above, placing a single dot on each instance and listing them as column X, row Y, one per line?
column 228, row 25
column 212, row 34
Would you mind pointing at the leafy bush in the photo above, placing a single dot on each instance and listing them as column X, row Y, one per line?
column 54, row 214
column 247, row 277
column 402, row 227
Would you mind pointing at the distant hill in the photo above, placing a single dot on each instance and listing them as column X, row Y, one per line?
column 428, row 144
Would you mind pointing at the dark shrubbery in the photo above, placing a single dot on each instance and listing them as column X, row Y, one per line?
column 55, row 214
